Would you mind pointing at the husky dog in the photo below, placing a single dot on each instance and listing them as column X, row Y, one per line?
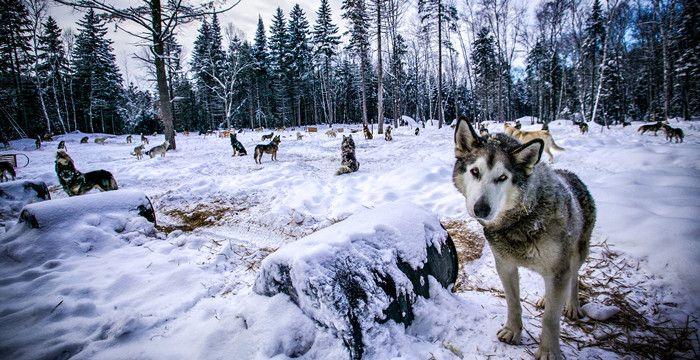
column 62, row 145
column 331, row 133
column 483, row 130
column 128, row 139
column 100, row 140
column 144, row 139
column 518, row 125
column 238, row 148
column 626, row 124
column 533, row 217
column 387, row 134
column 417, row 131
column 138, row 151
column 160, row 149
column 280, row 129
column 76, row 183
column 270, row 148
column 259, row 129
column 545, row 126
column 268, row 136
column 368, row 133
column 583, row 127
column 48, row 137
column 655, row 127
column 299, row 136
column 84, row 140
column 155, row 133
column 672, row 133
column 526, row 136
column 37, row 142
column 7, row 169
column 349, row 163
column 240, row 131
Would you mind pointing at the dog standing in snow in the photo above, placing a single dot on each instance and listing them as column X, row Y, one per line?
column 75, row 182
column 533, row 217
column 7, row 170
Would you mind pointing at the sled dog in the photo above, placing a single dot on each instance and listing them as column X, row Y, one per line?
column 533, row 217
column 128, row 139
column 526, row 136
column 76, row 183
column 7, row 169
column 672, row 133
column 331, row 133
column 387, row 134
column 158, row 150
column 299, row 136
column 483, row 130
column 84, row 140
column 144, row 139
column 62, row 145
column 417, row 131
column 100, row 140
column 270, row 148
column 37, row 142
column 238, row 148
column 583, row 127
column 349, row 163
column 655, row 127
column 138, row 151
column 368, row 133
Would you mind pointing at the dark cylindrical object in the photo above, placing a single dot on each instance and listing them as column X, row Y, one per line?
column 14, row 195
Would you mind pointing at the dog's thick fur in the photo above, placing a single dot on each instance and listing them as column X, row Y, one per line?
column 655, row 127
column 387, row 134
column 84, row 140
column 158, row 150
column 7, row 169
column 268, row 136
column 526, row 136
column 76, row 183
column 238, row 148
column 270, row 148
column 138, row 151
column 367, row 132
column 672, row 133
column 349, row 163
column 583, row 127
column 533, row 217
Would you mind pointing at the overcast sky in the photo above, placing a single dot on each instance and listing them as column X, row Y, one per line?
column 244, row 17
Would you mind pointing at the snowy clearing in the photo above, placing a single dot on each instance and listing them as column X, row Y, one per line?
column 114, row 287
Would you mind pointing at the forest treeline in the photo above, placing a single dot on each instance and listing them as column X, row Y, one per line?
column 608, row 62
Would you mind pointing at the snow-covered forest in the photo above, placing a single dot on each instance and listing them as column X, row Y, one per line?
column 606, row 62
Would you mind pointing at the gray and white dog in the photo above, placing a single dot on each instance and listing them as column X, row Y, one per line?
column 532, row 216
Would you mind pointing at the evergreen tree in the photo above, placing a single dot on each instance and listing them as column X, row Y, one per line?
column 326, row 39
column 485, row 74
column 356, row 14
column 280, row 66
column 261, row 69
column 688, row 64
column 593, row 52
column 52, row 69
column 98, row 83
column 299, row 58
column 15, row 61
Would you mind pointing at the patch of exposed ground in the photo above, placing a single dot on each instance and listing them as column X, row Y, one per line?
column 200, row 215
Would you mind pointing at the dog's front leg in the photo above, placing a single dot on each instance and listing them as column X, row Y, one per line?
column 508, row 272
column 555, row 290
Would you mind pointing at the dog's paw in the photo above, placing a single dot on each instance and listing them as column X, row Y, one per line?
column 573, row 312
column 540, row 303
column 509, row 336
column 548, row 354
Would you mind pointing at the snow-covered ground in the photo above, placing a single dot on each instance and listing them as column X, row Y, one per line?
column 117, row 288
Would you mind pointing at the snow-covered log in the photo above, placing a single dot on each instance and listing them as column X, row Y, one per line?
column 363, row 271
column 55, row 212
column 15, row 194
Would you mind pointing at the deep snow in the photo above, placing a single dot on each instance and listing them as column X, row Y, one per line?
column 120, row 288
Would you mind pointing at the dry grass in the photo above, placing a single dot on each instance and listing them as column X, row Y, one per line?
column 469, row 245
column 201, row 215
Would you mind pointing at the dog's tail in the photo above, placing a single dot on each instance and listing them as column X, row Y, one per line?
column 343, row 170
column 554, row 145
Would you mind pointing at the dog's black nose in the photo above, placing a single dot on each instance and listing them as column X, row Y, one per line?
column 482, row 209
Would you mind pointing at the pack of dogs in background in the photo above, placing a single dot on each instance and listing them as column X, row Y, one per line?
column 671, row 132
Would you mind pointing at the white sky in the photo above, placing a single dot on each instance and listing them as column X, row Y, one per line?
column 244, row 16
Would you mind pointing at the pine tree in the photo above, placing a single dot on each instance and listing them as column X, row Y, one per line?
column 356, row 14
column 279, row 66
column 15, row 60
column 431, row 13
column 261, row 68
column 485, row 73
column 688, row 69
column 593, row 51
column 299, row 58
column 98, row 83
column 52, row 68
column 326, row 39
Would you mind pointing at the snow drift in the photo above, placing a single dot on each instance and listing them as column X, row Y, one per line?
column 363, row 271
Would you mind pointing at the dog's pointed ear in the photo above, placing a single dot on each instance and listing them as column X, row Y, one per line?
column 528, row 155
column 466, row 139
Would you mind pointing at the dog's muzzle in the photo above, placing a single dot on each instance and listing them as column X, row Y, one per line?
column 482, row 209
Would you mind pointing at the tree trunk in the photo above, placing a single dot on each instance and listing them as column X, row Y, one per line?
column 362, row 88
column 380, row 75
column 439, row 90
column 166, row 112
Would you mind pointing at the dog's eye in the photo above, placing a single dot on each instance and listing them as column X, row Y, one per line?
column 502, row 178
column 475, row 172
